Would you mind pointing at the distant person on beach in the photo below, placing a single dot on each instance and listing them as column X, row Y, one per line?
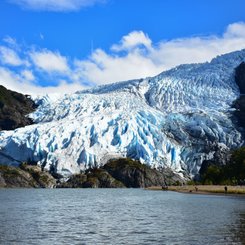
column 226, row 189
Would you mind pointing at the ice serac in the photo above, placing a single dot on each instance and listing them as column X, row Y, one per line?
column 176, row 119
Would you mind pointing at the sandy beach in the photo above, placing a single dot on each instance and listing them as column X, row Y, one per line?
column 204, row 189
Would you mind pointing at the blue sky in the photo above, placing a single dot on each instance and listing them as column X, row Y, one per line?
column 50, row 45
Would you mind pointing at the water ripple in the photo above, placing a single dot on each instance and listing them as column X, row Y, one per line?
column 118, row 216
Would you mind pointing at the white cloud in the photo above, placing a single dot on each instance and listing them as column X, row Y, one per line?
column 10, row 57
column 132, row 40
column 199, row 49
column 135, row 56
column 27, row 75
column 235, row 30
column 141, row 58
column 50, row 61
column 12, row 81
column 105, row 68
column 55, row 5
column 16, row 82
column 11, row 41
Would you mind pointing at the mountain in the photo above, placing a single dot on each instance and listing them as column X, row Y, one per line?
column 13, row 109
column 176, row 119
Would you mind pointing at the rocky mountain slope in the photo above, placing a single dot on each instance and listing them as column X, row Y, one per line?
column 13, row 109
column 239, row 103
column 175, row 120
column 118, row 173
column 25, row 176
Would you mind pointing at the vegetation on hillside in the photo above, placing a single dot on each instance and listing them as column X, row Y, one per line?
column 232, row 173
column 25, row 176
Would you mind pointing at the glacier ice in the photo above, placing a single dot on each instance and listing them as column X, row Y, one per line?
column 176, row 119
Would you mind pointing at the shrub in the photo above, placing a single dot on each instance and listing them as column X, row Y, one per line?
column 232, row 173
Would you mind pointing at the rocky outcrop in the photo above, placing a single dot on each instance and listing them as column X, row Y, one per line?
column 239, row 113
column 240, row 77
column 239, row 104
column 13, row 109
column 119, row 173
column 25, row 176
column 95, row 178
column 134, row 174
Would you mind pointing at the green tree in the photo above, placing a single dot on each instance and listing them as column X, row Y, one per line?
column 213, row 175
column 236, row 167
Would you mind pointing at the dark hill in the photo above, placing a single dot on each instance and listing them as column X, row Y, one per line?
column 240, row 77
column 118, row 173
column 239, row 104
column 13, row 109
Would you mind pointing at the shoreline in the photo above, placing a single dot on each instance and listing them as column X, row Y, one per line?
column 218, row 190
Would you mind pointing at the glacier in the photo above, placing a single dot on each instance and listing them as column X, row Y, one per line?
column 176, row 119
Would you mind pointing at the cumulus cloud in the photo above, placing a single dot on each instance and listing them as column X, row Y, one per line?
column 235, row 30
column 50, row 61
column 55, row 5
column 132, row 40
column 39, row 65
column 106, row 68
column 141, row 58
column 14, row 81
column 10, row 57
column 199, row 49
column 20, row 83
column 134, row 56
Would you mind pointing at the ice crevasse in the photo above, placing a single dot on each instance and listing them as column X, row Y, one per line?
column 176, row 119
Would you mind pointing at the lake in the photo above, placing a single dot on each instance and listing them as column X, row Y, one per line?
column 119, row 216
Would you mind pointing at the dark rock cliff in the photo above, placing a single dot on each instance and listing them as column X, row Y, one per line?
column 240, row 77
column 119, row 173
column 95, row 178
column 239, row 104
column 25, row 176
column 134, row 174
column 13, row 109
column 239, row 113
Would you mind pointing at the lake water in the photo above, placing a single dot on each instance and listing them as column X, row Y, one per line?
column 119, row 216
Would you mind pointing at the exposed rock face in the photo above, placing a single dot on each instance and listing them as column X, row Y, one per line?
column 239, row 105
column 134, row 174
column 25, row 177
column 240, row 77
column 122, row 173
column 97, row 178
column 14, row 177
column 13, row 109
column 102, row 179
